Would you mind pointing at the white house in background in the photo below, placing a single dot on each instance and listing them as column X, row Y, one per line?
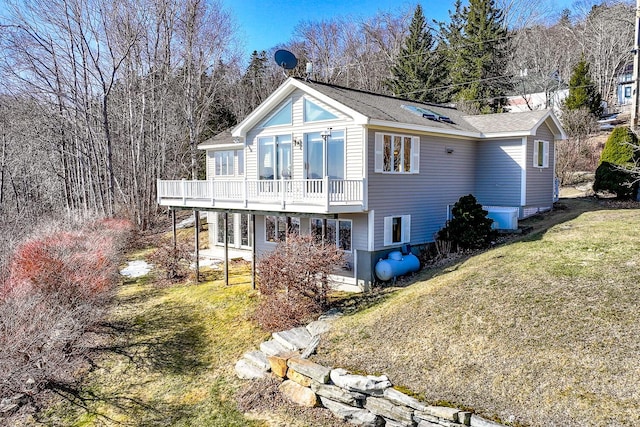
column 371, row 173
column 537, row 101
column 624, row 91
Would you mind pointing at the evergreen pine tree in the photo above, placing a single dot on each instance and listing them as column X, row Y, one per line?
column 417, row 69
column 479, row 72
column 617, row 162
column 450, row 45
column 582, row 90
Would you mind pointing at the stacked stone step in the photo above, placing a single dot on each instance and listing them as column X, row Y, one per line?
column 301, row 341
column 360, row 400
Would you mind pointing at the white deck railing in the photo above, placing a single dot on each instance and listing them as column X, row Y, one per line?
column 243, row 192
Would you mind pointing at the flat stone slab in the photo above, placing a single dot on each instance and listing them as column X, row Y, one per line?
column 356, row 416
column 293, row 339
column 364, row 384
column 442, row 412
column 273, row 348
column 477, row 421
column 248, row 371
column 388, row 410
column 335, row 393
column 258, row 358
column 400, row 398
column 319, row 327
column 310, row 369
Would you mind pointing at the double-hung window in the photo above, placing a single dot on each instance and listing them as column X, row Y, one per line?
column 540, row 154
column 396, row 153
column 397, row 229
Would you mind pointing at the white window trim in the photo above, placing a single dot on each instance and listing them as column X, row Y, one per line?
column 379, row 153
column 545, row 153
column 388, row 230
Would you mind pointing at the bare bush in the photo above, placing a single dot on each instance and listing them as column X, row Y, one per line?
column 57, row 288
column 294, row 281
column 174, row 262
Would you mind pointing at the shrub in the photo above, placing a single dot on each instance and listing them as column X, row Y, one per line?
column 619, row 156
column 469, row 228
column 612, row 178
column 294, row 281
column 175, row 263
column 57, row 288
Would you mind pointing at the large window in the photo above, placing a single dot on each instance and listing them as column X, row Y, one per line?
column 276, row 227
column 397, row 229
column 541, row 154
column 324, row 157
column 315, row 113
column 224, row 162
column 338, row 232
column 397, row 153
column 237, row 226
column 274, row 153
column 280, row 117
column 230, row 229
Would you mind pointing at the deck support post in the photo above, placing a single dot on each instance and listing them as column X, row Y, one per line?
column 253, row 251
column 175, row 233
column 226, row 249
column 196, row 224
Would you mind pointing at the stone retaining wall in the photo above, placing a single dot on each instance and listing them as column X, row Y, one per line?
column 369, row 401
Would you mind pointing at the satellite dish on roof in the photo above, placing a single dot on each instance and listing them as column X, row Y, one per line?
column 285, row 59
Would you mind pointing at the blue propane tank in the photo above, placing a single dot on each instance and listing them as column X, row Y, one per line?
column 395, row 265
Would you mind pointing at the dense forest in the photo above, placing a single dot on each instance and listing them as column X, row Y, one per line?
column 99, row 98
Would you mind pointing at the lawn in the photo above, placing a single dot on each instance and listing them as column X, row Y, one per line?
column 165, row 357
column 539, row 332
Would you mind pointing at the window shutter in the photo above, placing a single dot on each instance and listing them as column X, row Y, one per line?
column 406, row 228
column 535, row 153
column 378, row 153
column 415, row 154
column 545, row 154
column 388, row 224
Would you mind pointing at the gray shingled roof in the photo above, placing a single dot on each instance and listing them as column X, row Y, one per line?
column 223, row 137
column 506, row 122
column 382, row 107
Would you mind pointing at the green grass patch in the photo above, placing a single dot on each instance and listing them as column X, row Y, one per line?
column 542, row 331
column 165, row 357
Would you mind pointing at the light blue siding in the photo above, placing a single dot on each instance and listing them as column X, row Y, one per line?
column 498, row 178
column 540, row 180
column 442, row 180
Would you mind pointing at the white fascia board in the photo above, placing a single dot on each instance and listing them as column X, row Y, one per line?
column 555, row 126
column 425, row 129
column 229, row 146
column 280, row 95
column 503, row 135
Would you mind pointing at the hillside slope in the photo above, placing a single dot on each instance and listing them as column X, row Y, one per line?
column 539, row 332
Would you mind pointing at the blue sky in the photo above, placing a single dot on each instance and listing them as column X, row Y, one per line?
column 266, row 23
column 262, row 24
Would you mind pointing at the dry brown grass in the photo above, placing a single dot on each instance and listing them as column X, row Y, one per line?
column 540, row 332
